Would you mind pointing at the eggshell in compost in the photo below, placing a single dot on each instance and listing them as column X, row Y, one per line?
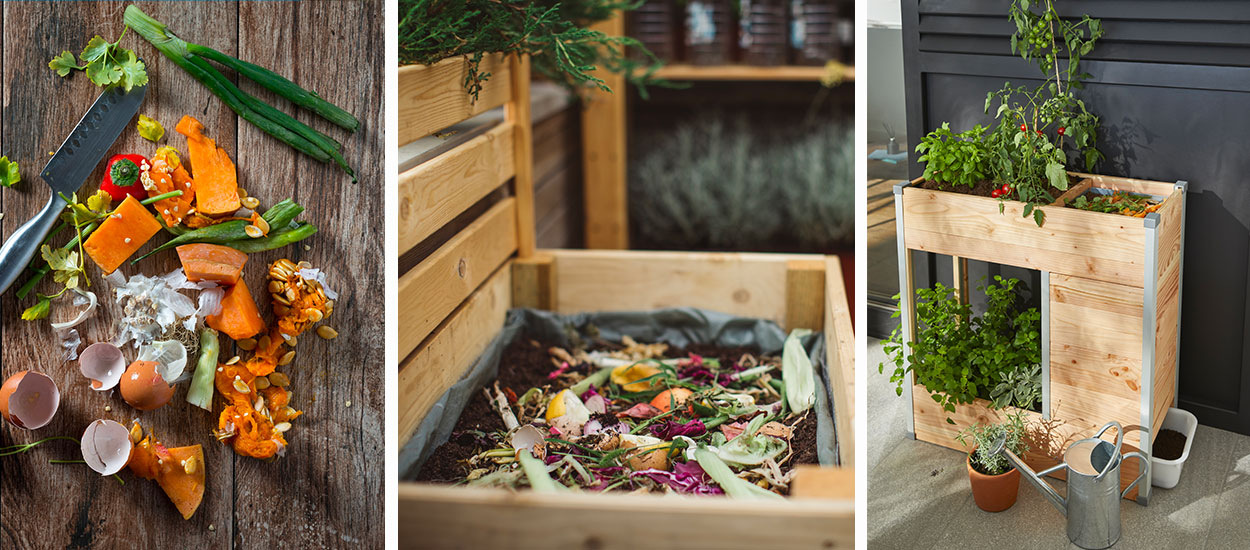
column 144, row 388
column 29, row 400
column 103, row 364
column 106, row 447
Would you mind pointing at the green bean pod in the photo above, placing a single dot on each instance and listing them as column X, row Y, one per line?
column 275, row 240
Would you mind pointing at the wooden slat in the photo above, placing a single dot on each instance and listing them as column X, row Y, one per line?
column 1048, row 438
column 823, row 482
column 737, row 283
column 432, row 97
column 1073, row 192
column 840, row 357
column 1159, row 188
column 603, row 148
column 1089, row 244
column 435, row 192
column 1167, row 306
column 805, row 294
column 518, row 113
column 437, row 286
column 437, row 517
column 534, row 282
column 443, row 358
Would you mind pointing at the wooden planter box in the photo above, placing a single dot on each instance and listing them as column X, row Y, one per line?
column 1111, row 287
column 477, row 260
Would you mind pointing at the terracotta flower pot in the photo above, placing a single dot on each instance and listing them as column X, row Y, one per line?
column 993, row 493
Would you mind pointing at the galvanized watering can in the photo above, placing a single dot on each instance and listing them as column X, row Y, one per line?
column 1093, row 503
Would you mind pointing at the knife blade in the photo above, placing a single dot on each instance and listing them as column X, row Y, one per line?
column 68, row 169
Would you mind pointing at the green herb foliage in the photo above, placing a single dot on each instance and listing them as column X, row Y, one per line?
column 106, row 63
column 958, row 159
column 1034, row 126
column 1013, row 430
column 1115, row 203
column 1020, row 387
column 959, row 356
column 553, row 33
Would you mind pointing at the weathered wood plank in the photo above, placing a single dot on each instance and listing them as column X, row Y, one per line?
column 336, row 450
column 437, row 191
column 518, row 114
column 69, row 505
column 437, row 286
column 737, row 283
column 437, row 517
column 432, row 97
column 247, row 503
column 603, row 148
column 443, row 357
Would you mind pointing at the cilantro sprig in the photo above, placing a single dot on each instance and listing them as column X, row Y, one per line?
column 106, row 63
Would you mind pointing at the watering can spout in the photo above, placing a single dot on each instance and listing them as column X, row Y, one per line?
column 1036, row 478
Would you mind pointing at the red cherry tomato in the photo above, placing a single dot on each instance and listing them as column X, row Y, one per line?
column 996, row 193
column 1061, row 130
column 1024, row 128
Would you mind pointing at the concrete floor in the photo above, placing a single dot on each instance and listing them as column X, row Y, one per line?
column 918, row 494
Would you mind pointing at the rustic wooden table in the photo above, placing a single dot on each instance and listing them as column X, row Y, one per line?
column 328, row 490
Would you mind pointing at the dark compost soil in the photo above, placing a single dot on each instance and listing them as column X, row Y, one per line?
column 525, row 364
column 1169, row 445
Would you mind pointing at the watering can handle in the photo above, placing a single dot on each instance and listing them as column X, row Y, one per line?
column 1119, row 438
column 1145, row 469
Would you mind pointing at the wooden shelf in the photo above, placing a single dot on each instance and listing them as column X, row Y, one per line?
column 749, row 73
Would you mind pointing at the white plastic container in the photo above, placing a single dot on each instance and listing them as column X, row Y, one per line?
column 1165, row 473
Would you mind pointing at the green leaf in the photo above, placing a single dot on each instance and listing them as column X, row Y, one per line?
column 39, row 310
column 134, row 73
column 9, row 174
column 1056, row 174
column 96, row 49
column 103, row 73
column 797, row 372
column 1039, row 217
column 150, row 128
column 64, row 63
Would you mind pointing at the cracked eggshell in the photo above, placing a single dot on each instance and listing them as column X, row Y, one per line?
column 143, row 387
column 29, row 400
column 103, row 364
column 106, row 447
column 651, row 453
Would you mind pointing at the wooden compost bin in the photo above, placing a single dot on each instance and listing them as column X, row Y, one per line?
column 1111, row 287
column 477, row 259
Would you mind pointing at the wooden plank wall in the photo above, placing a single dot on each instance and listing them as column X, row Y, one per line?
column 558, row 178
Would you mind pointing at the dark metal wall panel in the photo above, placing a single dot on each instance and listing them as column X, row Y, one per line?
column 1171, row 82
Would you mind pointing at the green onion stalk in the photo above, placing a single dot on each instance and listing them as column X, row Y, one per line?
column 286, row 128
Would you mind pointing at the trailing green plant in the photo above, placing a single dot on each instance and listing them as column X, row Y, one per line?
column 1037, row 127
column 1013, row 429
column 1020, row 387
column 958, row 356
column 957, row 159
column 555, row 34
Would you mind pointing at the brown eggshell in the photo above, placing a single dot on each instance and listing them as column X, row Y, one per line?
column 29, row 402
column 143, row 388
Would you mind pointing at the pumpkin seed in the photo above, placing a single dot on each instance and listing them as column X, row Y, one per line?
column 246, row 344
column 233, row 360
column 240, row 386
column 250, row 203
column 264, row 342
column 278, row 379
column 262, row 382
column 275, row 287
column 190, row 465
column 314, row 314
column 327, row 332
column 253, row 232
column 136, row 433
column 281, row 427
column 286, row 359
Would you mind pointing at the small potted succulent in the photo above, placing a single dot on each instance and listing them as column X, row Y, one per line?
column 995, row 483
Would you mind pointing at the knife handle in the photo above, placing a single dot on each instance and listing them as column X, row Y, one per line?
column 24, row 243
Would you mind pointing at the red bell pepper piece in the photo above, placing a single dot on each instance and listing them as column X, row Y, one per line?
column 121, row 177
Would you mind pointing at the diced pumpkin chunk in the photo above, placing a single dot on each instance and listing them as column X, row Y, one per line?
column 212, row 262
column 121, row 235
column 239, row 317
column 216, row 182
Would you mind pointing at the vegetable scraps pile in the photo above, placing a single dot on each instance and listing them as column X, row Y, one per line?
column 632, row 419
column 1119, row 202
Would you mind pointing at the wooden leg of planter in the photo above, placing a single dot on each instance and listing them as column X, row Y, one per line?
column 805, row 294
column 840, row 361
column 959, row 278
column 534, row 282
